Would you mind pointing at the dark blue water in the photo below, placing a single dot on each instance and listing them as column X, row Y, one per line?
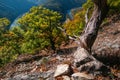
column 70, row 14
column 11, row 9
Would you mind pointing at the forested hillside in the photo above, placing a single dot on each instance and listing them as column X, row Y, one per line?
column 41, row 40
column 14, row 8
column 63, row 5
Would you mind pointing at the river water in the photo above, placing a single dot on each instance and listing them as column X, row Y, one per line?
column 12, row 9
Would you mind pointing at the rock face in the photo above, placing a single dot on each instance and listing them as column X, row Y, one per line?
column 34, row 76
column 81, row 56
column 107, row 45
column 62, row 69
column 85, row 62
column 21, row 76
column 66, row 78
column 82, row 76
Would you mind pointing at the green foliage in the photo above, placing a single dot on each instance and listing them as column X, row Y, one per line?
column 4, row 22
column 5, row 42
column 114, row 6
column 77, row 24
column 37, row 30
column 40, row 27
column 88, row 4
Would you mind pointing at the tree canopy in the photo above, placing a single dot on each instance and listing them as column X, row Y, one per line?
column 37, row 30
column 4, row 22
column 43, row 23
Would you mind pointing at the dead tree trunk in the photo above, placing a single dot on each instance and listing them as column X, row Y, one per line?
column 83, row 59
column 91, row 30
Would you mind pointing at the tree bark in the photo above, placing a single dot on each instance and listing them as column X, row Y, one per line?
column 92, row 27
column 83, row 59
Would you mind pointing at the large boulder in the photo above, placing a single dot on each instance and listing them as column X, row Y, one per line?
column 63, row 69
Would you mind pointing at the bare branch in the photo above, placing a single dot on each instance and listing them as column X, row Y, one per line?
column 86, row 15
column 75, row 39
column 91, row 30
column 70, row 37
column 61, row 29
column 76, row 36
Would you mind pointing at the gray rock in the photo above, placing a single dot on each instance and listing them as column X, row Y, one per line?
column 34, row 76
column 6, row 79
column 118, row 75
column 21, row 77
column 66, row 78
column 116, row 46
column 43, row 75
column 87, row 63
column 92, row 66
column 47, row 74
column 62, row 69
column 82, row 76
column 81, row 56
column 59, row 58
column 50, row 78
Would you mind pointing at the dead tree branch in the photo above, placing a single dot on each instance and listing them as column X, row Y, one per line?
column 91, row 29
column 70, row 37
column 86, row 16
column 82, row 57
